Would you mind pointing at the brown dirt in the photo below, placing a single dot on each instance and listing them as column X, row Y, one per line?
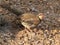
column 13, row 33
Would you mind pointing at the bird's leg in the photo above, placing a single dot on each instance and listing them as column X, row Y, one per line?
column 29, row 29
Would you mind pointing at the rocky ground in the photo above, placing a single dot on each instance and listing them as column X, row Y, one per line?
column 13, row 33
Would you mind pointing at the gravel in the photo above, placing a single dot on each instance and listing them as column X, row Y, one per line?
column 13, row 33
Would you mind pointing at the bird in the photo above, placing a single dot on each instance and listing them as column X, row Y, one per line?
column 30, row 20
